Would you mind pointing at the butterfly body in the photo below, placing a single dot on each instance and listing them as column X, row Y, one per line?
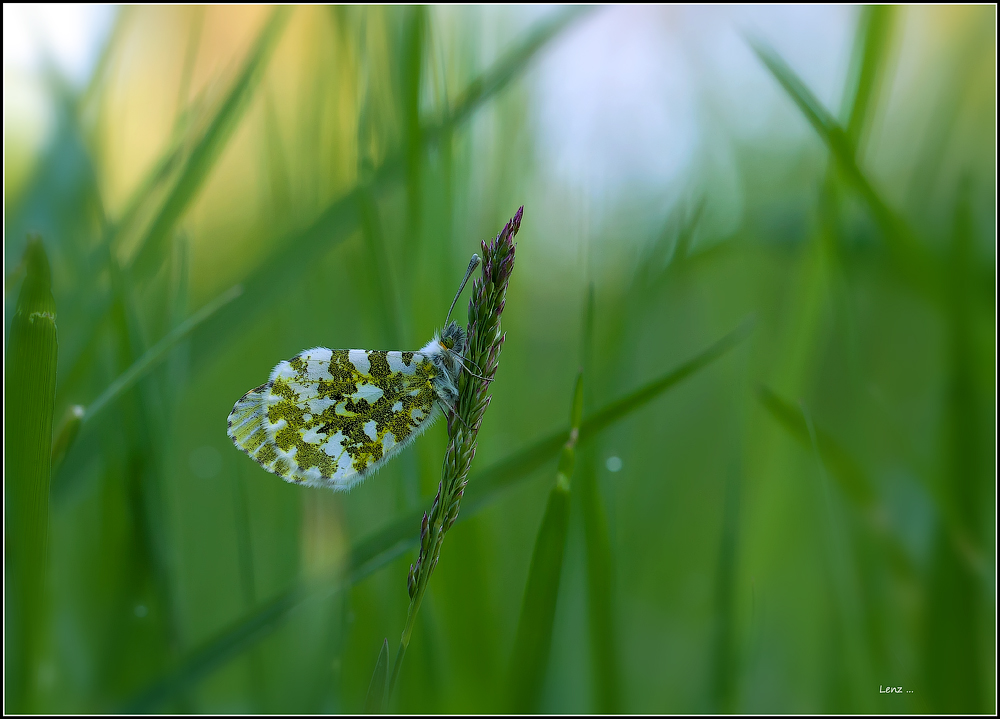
column 331, row 418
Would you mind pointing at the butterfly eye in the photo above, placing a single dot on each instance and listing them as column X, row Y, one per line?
column 448, row 342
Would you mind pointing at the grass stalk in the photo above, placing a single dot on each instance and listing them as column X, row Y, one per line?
column 485, row 340
column 597, row 542
column 339, row 219
column 209, row 146
column 374, row 552
column 851, row 479
column 29, row 396
column 375, row 699
column 533, row 641
column 913, row 261
column 953, row 631
column 157, row 353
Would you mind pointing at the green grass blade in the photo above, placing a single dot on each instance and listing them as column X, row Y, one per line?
column 390, row 542
column 342, row 217
column 597, row 546
column 533, row 641
column 953, row 621
column 208, row 148
column 912, row 260
column 626, row 405
column 29, row 396
column 818, row 116
column 98, row 76
column 412, row 70
column 851, row 477
column 229, row 643
column 724, row 670
column 509, row 67
column 65, row 434
column 381, row 268
column 600, row 592
column 375, row 700
column 157, row 352
column 873, row 34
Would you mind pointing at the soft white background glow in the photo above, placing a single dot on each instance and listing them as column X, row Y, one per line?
column 621, row 100
column 71, row 36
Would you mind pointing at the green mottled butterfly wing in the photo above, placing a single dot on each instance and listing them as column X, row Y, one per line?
column 331, row 418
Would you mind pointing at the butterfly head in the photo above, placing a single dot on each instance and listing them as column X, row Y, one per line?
column 445, row 352
column 452, row 338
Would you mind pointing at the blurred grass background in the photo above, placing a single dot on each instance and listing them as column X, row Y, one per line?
column 799, row 522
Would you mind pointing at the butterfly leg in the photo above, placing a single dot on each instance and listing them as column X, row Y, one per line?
column 452, row 411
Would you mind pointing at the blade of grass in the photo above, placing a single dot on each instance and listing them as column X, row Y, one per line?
column 142, row 366
column 600, row 591
column 390, row 542
column 412, row 71
column 384, row 287
column 597, row 546
column 506, row 69
column 98, row 75
column 913, row 261
column 190, row 56
column 951, row 668
column 533, row 641
column 724, row 664
column 851, row 670
column 175, row 371
column 375, row 700
column 187, row 161
column 29, row 396
column 209, row 147
column 65, row 434
column 157, row 352
column 341, row 218
column 875, row 24
column 852, row 479
column 149, row 539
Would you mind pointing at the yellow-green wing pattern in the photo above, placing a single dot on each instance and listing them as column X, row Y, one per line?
column 330, row 418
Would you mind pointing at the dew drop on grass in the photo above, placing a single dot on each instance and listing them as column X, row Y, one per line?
column 614, row 464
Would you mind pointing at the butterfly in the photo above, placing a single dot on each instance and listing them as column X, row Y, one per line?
column 332, row 418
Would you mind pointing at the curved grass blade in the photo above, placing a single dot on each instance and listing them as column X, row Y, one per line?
column 209, row 146
column 296, row 250
column 724, row 662
column 875, row 25
column 954, row 620
column 597, row 540
column 189, row 169
column 30, row 384
column 65, row 435
column 506, row 69
column 157, row 352
column 375, row 700
column 600, row 583
column 911, row 259
column 850, row 477
column 392, row 541
column 533, row 640
column 140, row 368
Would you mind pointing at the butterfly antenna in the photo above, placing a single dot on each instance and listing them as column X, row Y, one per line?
column 473, row 264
